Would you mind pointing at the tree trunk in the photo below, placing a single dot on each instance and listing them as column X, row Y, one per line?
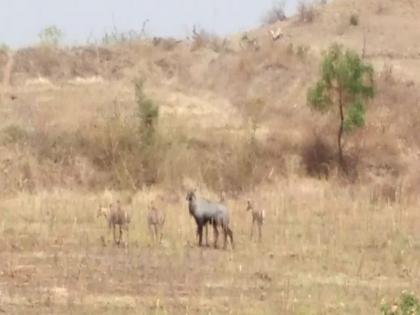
column 340, row 131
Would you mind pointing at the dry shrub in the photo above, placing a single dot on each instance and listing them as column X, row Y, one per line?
column 354, row 19
column 63, row 64
column 387, row 74
column 275, row 14
column 14, row 134
column 380, row 9
column 205, row 39
column 4, row 56
column 110, row 154
column 387, row 190
column 167, row 44
column 306, row 12
column 318, row 157
column 40, row 61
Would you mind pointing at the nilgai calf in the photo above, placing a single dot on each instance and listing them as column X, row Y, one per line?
column 116, row 215
column 155, row 221
column 258, row 217
column 214, row 213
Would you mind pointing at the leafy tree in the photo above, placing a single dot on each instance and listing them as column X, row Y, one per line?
column 346, row 84
column 51, row 36
column 148, row 113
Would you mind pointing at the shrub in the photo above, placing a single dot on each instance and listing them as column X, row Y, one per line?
column 14, row 134
column 51, row 36
column 354, row 19
column 203, row 38
column 317, row 157
column 148, row 113
column 116, row 37
column 275, row 14
column 302, row 51
column 4, row 48
column 306, row 12
column 408, row 304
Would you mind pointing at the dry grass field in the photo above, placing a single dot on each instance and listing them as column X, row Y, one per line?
column 233, row 119
column 325, row 250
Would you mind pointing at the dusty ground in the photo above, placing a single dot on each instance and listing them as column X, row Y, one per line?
column 320, row 254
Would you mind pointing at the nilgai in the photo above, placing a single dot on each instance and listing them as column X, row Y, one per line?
column 204, row 212
column 116, row 215
column 258, row 217
column 222, row 199
column 155, row 221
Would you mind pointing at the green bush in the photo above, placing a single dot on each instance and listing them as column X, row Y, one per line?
column 407, row 304
column 14, row 134
column 51, row 36
column 148, row 113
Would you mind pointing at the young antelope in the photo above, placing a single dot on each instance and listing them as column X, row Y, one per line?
column 258, row 217
column 155, row 221
column 115, row 215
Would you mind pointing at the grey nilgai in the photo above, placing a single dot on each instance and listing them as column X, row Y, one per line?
column 214, row 213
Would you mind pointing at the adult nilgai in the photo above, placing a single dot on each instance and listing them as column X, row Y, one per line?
column 204, row 212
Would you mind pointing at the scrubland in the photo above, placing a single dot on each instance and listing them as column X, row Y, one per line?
column 231, row 118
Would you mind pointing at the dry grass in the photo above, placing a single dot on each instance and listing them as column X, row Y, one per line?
column 231, row 120
column 326, row 249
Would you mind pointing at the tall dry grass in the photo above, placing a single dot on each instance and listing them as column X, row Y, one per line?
column 327, row 248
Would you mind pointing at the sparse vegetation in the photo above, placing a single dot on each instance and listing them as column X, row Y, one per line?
column 202, row 38
column 275, row 14
column 78, row 130
column 4, row 47
column 408, row 304
column 51, row 36
column 354, row 19
column 116, row 37
column 148, row 113
column 345, row 85
column 302, row 51
column 306, row 12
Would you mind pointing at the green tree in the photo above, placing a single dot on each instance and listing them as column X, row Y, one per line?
column 345, row 85
column 148, row 113
column 51, row 36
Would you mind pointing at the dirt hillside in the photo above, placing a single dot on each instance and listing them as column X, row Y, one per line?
column 210, row 85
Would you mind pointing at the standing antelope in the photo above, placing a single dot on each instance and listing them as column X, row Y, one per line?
column 222, row 198
column 155, row 221
column 115, row 215
column 204, row 212
column 258, row 216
